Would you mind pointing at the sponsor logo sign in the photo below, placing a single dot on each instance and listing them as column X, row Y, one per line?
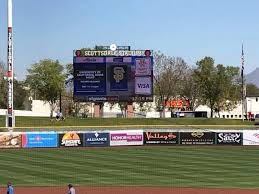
column 143, row 85
column 97, row 139
column 71, row 139
column 197, row 138
column 119, row 81
column 251, row 137
column 127, row 137
column 161, row 138
column 229, row 138
column 40, row 140
column 10, row 140
column 143, row 66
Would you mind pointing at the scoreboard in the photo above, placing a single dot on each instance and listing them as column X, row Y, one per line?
column 113, row 76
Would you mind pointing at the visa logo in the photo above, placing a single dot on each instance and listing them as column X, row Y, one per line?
column 143, row 86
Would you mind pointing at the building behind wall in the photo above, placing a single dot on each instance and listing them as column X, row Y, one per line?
column 252, row 105
column 251, row 108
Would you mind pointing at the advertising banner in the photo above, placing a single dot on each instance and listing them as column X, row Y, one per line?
column 229, row 138
column 40, row 140
column 97, row 139
column 166, row 138
column 71, row 139
column 251, row 137
column 10, row 140
column 90, row 78
column 119, row 78
column 143, row 85
column 127, row 137
column 143, row 66
column 197, row 138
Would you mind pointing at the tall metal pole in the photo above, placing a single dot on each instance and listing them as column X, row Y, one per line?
column 10, row 120
column 242, row 83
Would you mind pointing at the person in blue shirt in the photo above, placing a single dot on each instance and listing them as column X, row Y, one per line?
column 9, row 188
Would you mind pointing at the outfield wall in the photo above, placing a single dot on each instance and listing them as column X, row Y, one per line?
column 52, row 139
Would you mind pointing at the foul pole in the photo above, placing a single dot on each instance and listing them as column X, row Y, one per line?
column 10, row 120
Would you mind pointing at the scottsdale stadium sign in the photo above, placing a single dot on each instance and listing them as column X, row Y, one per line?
column 122, row 53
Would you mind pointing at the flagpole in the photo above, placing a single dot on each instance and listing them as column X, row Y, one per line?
column 242, row 82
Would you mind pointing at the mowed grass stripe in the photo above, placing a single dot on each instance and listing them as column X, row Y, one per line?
column 161, row 166
column 50, row 167
column 63, row 165
column 37, row 174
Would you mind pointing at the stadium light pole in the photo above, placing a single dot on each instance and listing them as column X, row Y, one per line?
column 10, row 120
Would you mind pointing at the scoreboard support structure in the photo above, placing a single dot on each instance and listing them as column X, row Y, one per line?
column 130, row 113
column 97, row 110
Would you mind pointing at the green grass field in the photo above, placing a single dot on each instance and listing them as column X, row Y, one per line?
column 224, row 167
column 43, row 122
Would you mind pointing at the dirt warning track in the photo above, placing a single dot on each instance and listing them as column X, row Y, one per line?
column 129, row 190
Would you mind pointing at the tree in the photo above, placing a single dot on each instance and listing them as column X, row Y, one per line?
column 228, row 80
column 252, row 90
column 169, row 73
column 190, row 89
column 3, row 87
column 47, row 79
column 218, row 86
column 19, row 93
column 69, row 72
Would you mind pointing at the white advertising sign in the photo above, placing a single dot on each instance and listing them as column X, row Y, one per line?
column 127, row 137
column 143, row 66
column 251, row 137
column 143, row 85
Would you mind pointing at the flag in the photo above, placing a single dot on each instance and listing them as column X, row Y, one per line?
column 242, row 63
column 242, row 79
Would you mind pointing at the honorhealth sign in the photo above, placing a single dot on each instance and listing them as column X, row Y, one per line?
column 127, row 137
column 251, row 137
column 40, row 140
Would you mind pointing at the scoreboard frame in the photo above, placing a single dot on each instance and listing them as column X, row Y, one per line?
column 113, row 76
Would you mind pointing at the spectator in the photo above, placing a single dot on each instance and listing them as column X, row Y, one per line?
column 59, row 116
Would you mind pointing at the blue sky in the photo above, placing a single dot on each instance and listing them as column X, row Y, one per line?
column 190, row 29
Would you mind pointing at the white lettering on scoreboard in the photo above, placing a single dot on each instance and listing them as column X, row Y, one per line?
column 122, row 53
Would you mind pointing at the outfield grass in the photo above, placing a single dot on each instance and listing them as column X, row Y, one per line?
column 41, row 122
column 224, row 167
